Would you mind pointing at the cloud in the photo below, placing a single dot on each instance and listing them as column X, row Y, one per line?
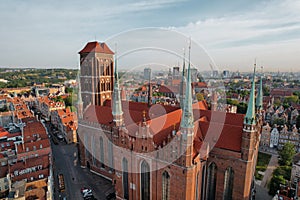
column 273, row 24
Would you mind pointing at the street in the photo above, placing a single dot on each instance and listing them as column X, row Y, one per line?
column 66, row 162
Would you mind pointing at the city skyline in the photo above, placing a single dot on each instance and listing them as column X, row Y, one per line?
column 232, row 33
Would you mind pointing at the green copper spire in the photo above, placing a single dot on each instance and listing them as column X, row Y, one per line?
column 117, row 105
column 181, row 97
column 250, row 115
column 187, row 119
column 259, row 98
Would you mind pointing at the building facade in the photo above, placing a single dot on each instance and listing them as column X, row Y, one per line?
column 186, row 152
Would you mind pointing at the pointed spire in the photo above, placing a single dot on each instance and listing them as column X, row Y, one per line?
column 187, row 120
column 250, row 115
column 181, row 97
column 259, row 98
column 117, row 105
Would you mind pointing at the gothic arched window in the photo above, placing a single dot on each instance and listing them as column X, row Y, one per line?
column 228, row 184
column 145, row 181
column 165, row 186
column 197, row 187
column 212, row 181
column 125, row 178
column 203, row 182
column 101, row 151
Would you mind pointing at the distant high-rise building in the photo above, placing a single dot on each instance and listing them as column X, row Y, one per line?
column 147, row 73
column 176, row 73
column 225, row 73
column 215, row 73
column 96, row 73
column 194, row 73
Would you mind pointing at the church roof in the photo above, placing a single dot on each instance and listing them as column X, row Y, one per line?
column 225, row 129
column 96, row 47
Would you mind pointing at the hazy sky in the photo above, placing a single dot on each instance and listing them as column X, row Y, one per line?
column 37, row 33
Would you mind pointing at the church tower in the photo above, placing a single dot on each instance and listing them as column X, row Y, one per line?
column 249, row 130
column 96, row 73
column 187, row 122
column 116, row 100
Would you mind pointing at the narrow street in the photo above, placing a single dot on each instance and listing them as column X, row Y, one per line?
column 66, row 162
column 268, row 173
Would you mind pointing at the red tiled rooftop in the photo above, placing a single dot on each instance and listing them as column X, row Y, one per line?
column 39, row 144
column 96, row 47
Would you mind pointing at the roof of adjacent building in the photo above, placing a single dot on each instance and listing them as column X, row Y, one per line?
column 96, row 47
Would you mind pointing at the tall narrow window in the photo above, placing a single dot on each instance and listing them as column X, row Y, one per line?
column 93, row 146
column 203, row 182
column 85, row 141
column 110, row 155
column 125, row 178
column 228, row 184
column 101, row 151
column 145, row 181
column 197, row 187
column 212, row 180
column 165, row 186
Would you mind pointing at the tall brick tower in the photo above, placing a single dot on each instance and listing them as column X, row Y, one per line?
column 250, row 139
column 249, row 130
column 96, row 73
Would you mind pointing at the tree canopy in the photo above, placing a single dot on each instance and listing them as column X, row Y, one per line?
column 286, row 154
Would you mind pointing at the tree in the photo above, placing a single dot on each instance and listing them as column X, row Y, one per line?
column 280, row 176
column 69, row 90
column 277, row 102
column 68, row 101
column 275, row 184
column 242, row 108
column 279, row 121
column 286, row 154
column 58, row 99
column 266, row 91
column 291, row 99
column 200, row 97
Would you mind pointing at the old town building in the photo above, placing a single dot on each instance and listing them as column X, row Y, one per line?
column 162, row 151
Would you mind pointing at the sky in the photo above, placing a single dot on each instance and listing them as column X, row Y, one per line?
column 226, row 34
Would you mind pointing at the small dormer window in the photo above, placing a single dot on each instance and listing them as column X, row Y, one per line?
column 41, row 146
column 27, row 149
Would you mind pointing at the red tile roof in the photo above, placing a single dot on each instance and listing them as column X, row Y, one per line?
column 199, row 84
column 96, row 47
column 33, row 127
column 39, row 144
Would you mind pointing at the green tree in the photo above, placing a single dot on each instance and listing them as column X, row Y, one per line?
column 277, row 102
column 242, row 108
column 266, row 91
column 58, row 98
column 68, row 101
column 291, row 99
column 275, row 184
column 69, row 90
column 200, row 97
column 279, row 121
column 286, row 154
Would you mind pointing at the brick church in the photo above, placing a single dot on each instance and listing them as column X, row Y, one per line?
column 163, row 152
